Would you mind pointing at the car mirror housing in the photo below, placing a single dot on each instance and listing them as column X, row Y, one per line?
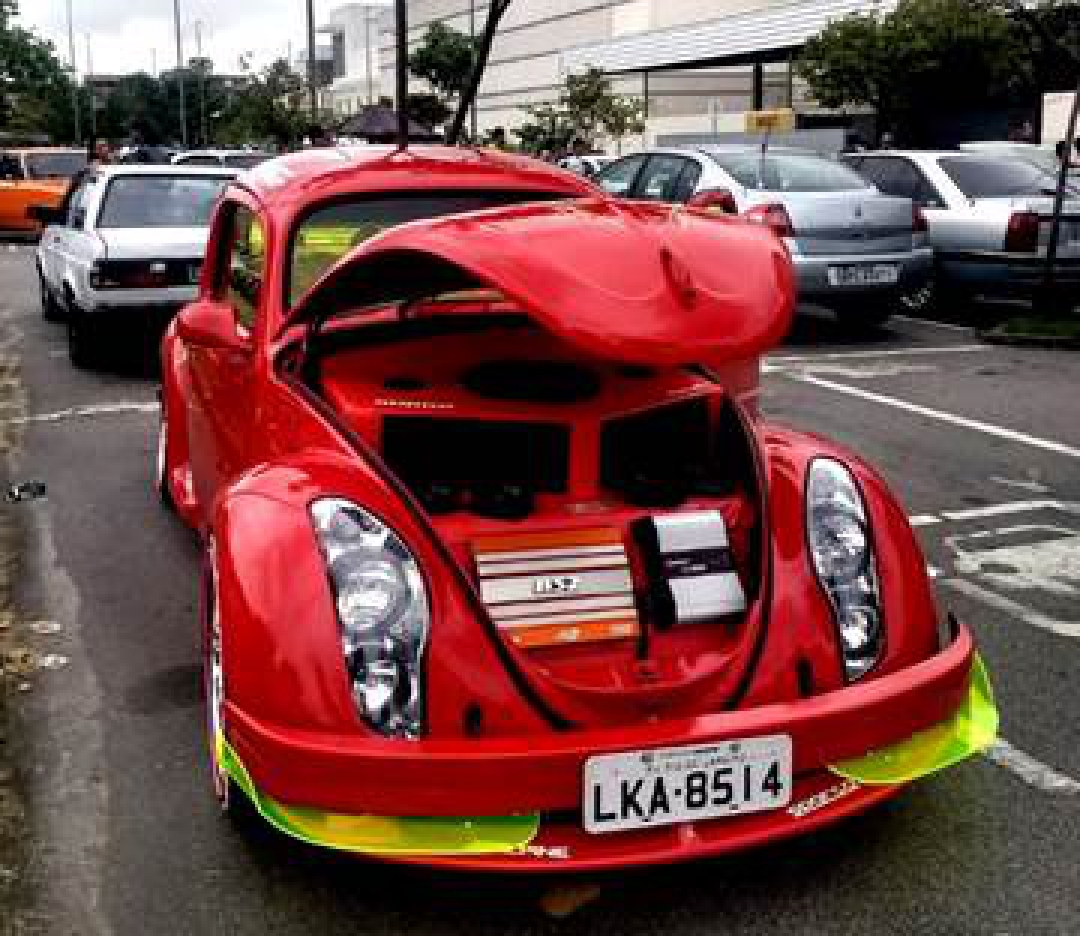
column 210, row 324
column 45, row 214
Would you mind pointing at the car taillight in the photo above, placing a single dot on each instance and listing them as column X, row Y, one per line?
column 918, row 220
column 775, row 217
column 136, row 274
column 1022, row 235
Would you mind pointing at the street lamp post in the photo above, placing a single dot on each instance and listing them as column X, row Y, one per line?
column 472, row 44
column 180, row 73
column 313, row 94
column 203, row 136
column 74, row 74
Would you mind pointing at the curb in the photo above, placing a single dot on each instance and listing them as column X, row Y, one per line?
column 992, row 336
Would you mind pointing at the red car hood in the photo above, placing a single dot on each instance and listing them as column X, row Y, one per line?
column 641, row 283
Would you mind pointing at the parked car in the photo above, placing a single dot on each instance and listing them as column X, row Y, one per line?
column 854, row 249
column 231, row 158
column 588, row 164
column 988, row 219
column 34, row 176
column 1033, row 154
column 492, row 579
column 124, row 250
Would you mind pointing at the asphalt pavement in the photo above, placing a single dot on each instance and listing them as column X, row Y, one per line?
column 122, row 836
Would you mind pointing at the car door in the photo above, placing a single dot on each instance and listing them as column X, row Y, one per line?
column 667, row 177
column 61, row 242
column 221, row 379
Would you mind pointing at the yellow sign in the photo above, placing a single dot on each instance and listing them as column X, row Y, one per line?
column 779, row 120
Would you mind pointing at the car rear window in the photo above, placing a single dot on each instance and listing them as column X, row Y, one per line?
column 159, row 201
column 327, row 234
column 787, row 172
column 54, row 165
column 987, row 177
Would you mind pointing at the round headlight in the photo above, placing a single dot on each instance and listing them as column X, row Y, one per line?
column 382, row 610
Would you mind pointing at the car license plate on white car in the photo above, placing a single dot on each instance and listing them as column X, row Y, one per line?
column 864, row 274
column 643, row 789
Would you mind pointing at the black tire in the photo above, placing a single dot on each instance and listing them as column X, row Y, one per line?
column 51, row 310
column 161, row 462
column 83, row 349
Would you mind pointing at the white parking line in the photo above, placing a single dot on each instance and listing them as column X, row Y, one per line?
column 1013, row 608
column 884, row 352
column 75, row 412
column 1033, row 772
column 931, row 323
column 1048, row 445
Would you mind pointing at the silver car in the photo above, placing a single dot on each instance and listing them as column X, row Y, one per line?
column 854, row 249
column 988, row 218
column 124, row 250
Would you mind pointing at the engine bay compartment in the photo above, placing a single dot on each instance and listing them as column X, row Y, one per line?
column 608, row 514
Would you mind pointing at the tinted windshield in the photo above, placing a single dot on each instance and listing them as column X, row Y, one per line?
column 326, row 235
column 160, row 201
column 54, row 165
column 787, row 172
column 996, row 178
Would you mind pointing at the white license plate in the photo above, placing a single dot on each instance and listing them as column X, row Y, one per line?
column 864, row 274
column 643, row 789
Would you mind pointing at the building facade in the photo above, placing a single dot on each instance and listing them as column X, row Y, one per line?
column 698, row 65
column 352, row 33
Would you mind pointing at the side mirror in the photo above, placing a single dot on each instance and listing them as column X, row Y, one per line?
column 209, row 324
column 46, row 214
column 718, row 200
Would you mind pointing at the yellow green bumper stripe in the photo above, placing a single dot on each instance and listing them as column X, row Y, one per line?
column 970, row 730
column 385, row 835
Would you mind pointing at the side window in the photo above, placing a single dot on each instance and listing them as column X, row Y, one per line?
column 660, row 180
column 618, row 178
column 688, row 180
column 246, row 266
column 882, row 172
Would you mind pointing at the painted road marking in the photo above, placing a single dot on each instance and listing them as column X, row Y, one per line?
column 1031, row 771
column 1013, row 608
column 1047, row 445
column 77, row 412
column 918, row 520
column 869, row 371
column 1030, row 485
column 884, row 352
column 933, row 323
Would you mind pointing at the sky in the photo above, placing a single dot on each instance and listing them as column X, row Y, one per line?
column 125, row 34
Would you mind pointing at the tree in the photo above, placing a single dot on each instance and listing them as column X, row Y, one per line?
column 931, row 58
column 36, row 92
column 268, row 109
column 586, row 109
column 444, row 59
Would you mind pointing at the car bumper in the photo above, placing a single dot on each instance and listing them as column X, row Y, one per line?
column 812, row 272
column 341, row 778
column 996, row 273
column 148, row 313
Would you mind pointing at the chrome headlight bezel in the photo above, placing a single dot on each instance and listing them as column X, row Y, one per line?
column 383, row 612
column 840, row 548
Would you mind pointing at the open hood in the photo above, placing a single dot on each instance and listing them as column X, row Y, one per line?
column 639, row 283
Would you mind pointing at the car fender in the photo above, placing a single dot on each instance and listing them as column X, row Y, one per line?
column 280, row 640
column 801, row 652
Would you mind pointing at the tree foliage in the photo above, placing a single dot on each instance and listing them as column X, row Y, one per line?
column 934, row 57
column 586, row 109
column 444, row 60
column 36, row 90
column 267, row 109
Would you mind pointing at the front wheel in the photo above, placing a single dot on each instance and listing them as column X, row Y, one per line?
column 51, row 310
column 233, row 802
column 161, row 461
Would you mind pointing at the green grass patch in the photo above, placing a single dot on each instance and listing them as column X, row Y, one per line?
column 1067, row 326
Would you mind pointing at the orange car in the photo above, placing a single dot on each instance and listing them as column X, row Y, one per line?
column 37, row 176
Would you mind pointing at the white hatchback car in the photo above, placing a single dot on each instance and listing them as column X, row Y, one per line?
column 124, row 250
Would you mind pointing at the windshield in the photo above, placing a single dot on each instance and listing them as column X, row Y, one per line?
column 327, row 234
column 54, row 165
column 160, row 201
column 996, row 178
column 787, row 172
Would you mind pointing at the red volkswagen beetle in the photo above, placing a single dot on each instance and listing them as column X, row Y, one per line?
column 503, row 568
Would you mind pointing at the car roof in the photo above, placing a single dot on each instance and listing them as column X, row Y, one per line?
column 141, row 169
column 316, row 174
